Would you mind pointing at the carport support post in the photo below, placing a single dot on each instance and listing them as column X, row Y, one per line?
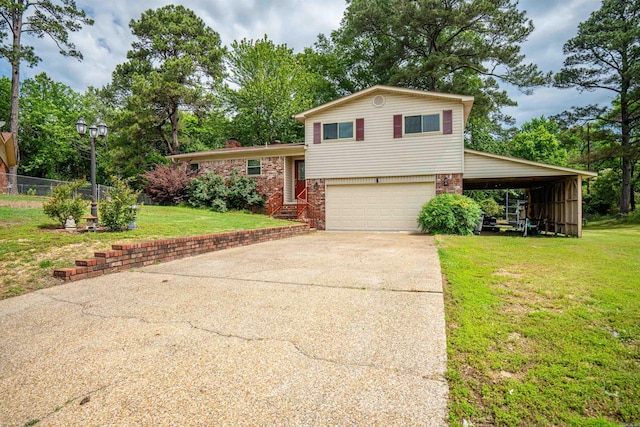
column 579, row 207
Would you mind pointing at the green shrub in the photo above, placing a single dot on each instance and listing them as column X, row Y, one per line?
column 204, row 189
column 634, row 217
column 213, row 191
column 449, row 214
column 116, row 212
column 66, row 202
column 31, row 192
column 219, row 205
column 243, row 192
column 491, row 208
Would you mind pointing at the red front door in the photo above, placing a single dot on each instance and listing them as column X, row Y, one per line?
column 301, row 183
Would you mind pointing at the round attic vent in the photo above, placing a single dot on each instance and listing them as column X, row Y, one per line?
column 378, row 101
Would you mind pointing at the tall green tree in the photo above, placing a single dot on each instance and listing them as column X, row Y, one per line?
column 36, row 18
column 50, row 144
column 459, row 46
column 605, row 54
column 538, row 141
column 172, row 66
column 5, row 98
column 268, row 85
column 204, row 132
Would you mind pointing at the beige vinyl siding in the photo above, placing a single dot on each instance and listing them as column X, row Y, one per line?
column 380, row 154
column 478, row 166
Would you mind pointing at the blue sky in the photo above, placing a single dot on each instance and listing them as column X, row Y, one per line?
column 297, row 23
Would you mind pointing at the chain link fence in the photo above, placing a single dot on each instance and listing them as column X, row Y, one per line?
column 32, row 186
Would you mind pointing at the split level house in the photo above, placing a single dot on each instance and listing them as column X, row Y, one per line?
column 372, row 159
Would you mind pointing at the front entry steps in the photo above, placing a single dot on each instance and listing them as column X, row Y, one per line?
column 288, row 211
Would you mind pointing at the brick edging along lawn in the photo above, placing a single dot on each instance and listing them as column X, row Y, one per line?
column 132, row 255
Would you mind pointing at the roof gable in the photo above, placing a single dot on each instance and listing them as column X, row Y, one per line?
column 466, row 101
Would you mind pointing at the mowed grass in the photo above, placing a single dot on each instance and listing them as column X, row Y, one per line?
column 544, row 331
column 31, row 246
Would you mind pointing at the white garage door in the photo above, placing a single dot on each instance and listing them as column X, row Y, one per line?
column 376, row 207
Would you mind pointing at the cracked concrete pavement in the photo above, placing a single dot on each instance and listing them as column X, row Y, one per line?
column 322, row 329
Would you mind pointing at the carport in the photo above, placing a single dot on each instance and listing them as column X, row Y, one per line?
column 554, row 193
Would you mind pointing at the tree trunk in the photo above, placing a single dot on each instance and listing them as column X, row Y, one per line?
column 625, row 195
column 16, row 25
column 175, row 144
column 633, row 190
column 627, row 164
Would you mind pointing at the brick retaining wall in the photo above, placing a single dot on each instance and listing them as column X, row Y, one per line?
column 133, row 255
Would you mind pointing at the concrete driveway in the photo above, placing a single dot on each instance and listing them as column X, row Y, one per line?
column 322, row 329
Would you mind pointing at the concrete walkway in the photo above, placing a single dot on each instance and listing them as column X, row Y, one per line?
column 323, row 329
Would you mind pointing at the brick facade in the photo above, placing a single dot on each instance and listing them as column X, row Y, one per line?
column 134, row 255
column 316, row 196
column 268, row 182
column 4, row 170
column 449, row 183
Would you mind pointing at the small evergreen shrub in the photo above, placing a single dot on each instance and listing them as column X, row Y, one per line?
column 66, row 202
column 449, row 214
column 167, row 185
column 116, row 212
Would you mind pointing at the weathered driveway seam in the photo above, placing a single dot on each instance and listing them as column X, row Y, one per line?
column 355, row 288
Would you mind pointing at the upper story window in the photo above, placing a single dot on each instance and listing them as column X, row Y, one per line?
column 342, row 130
column 422, row 124
column 254, row 167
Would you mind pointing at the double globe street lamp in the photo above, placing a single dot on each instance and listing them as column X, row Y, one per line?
column 94, row 131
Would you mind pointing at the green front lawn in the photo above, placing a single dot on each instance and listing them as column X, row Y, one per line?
column 544, row 331
column 31, row 246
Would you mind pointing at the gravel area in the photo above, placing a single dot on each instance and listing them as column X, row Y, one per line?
column 322, row 329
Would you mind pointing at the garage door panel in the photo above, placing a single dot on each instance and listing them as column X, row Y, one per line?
column 381, row 207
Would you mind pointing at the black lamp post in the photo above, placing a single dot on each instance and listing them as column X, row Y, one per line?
column 94, row 131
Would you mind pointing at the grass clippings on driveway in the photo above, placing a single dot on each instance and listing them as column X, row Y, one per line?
column 544, row 331
column 31, row 246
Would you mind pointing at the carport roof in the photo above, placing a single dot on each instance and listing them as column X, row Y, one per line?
column 489, row 171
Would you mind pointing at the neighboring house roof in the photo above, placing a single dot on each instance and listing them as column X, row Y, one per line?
column 7, row 150
column 478, row 164
column 467, row 101
column 242, row 152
